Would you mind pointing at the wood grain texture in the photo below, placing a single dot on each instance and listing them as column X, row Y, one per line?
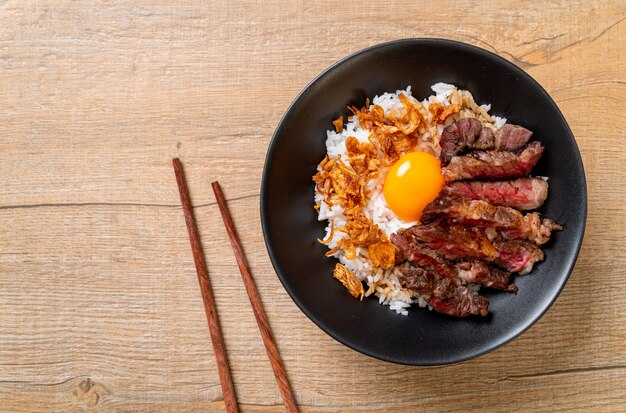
column 99, row 308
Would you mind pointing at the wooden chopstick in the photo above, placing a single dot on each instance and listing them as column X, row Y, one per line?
column 226, row 380
column 257, row 306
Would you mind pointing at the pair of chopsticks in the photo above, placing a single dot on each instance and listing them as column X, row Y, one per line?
column 226, row 380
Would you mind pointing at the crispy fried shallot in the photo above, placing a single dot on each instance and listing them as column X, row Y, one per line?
column 343, row 184
column 440, row 112
column 382, row 254
column 339, row 184
column 363, row 157
column 338, row 124
column 349, row 280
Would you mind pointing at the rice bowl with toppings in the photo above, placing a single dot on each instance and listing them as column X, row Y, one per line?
column 350, row 183
column 291, row 227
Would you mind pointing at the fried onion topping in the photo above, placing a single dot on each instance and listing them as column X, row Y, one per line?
column 440, row 112
column 382, row 254
column 363, row 157
column 349, row 280
column 341, row 182
column 338, row 124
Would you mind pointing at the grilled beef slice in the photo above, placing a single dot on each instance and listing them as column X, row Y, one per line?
column 486, row 140
column 458, row 136
column 457, row 242
column 511, row 223
column 475, row 272
column 442, row 294
column 493, row 164
column 454, row 241
column 517, row 256
column 478, row 272
column 523, row 193
column 511, row 137
column 418, row 254
column 469, row 133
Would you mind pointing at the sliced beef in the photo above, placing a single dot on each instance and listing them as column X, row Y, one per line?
column 512, row 137
column 403, row 241
column 442, row 294
column 458, row 136
column 486, row 140
column 536, row 229
column 517, row 256
column 478, row 272
column 493, row 164
column 456, row 242
column 512, row 224
column 474, row 272
column 524, row 193
column 471, row 134
column 418, row 254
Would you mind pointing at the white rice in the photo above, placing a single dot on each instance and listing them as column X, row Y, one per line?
column 384, row 283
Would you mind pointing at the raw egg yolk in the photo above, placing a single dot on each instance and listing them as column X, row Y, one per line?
column 413, row 182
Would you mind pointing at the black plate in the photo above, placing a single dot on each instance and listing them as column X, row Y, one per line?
column 290, row 223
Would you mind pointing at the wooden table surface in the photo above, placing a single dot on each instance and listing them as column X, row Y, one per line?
column 100, row 309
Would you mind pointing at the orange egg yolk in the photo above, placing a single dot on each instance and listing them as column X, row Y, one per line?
column 413, row 182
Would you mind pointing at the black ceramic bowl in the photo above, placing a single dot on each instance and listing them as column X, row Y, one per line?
column 290, row 223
